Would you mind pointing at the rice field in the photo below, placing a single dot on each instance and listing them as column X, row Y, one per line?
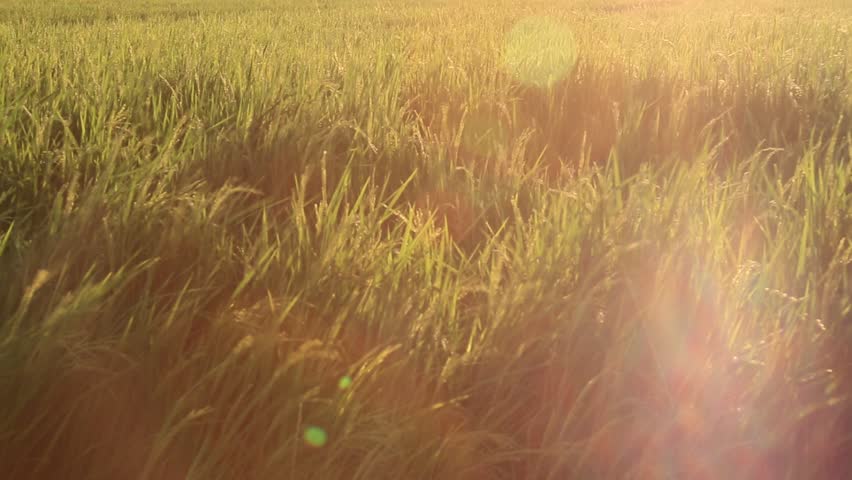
column 374, row 239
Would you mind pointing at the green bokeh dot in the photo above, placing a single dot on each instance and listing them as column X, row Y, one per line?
column 315, row 436
column 345, row 382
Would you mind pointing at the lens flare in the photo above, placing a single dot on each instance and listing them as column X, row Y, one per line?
column 315, row 436
column 539, row 51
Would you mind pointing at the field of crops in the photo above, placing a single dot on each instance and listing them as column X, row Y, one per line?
column 377, row 239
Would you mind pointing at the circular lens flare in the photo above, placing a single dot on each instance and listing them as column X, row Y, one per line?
column 539, row 51
column 315, row 436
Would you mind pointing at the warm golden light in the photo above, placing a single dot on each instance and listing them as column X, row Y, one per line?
column 539, row 51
